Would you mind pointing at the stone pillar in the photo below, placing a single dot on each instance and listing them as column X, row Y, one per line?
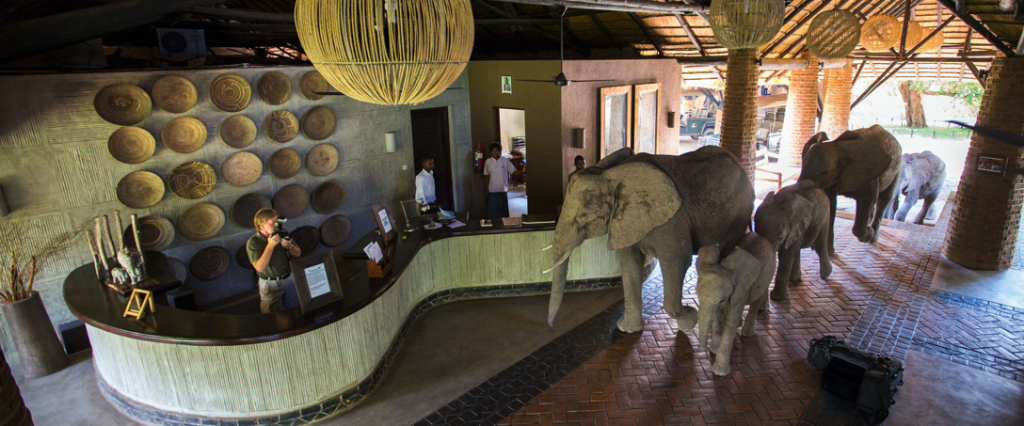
column 835, row 115
column 739, row 116
column 983, row 225
column 801, row 112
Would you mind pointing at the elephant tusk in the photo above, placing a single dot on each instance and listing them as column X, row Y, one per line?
column 559, row 262
column 547, row 248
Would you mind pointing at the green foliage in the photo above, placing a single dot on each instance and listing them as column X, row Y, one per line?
column 968, row 94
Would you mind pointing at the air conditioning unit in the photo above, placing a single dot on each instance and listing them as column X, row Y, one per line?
column 181, row 42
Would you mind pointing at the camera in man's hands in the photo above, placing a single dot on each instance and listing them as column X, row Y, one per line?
column 279, row 229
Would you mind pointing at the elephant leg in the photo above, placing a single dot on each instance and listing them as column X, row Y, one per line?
column 748, row 322
column 732, row 320
column 890, row 213
column 631, row 264
column 832, row 201
column 673, row 271
column 716, row 330
column 867, row 201
column 926, row 209
column 796, row 275
column 820, row 246
column 883, row 202
column 782, row 274
column 908, row 204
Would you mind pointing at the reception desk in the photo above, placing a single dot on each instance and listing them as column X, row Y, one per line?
column 185, row 367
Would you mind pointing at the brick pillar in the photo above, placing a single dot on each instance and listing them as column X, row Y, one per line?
column 801, row 111
column 986, row 212
column 835, row 115
column 739, row 116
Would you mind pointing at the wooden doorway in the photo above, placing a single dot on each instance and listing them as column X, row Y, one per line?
column 431, row 137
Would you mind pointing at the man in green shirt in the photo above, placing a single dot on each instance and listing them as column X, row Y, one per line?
column 269, row 254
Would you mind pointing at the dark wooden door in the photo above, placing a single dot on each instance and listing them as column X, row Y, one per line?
column 431, row 138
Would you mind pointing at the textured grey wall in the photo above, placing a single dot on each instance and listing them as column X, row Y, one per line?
column 56, row 172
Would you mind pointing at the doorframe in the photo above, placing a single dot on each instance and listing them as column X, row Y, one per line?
column 496, row 114
column 456, row 167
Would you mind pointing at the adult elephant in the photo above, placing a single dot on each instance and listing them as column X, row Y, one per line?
column 655, row 205
column 921, row 178
column 862, row 164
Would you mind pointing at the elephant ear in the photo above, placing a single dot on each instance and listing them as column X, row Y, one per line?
column 816, row 139
column 744, row 266
column 862, row 161
column 800, row 220
column 644, row 199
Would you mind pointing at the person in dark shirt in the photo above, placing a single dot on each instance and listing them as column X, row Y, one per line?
column 580, row 164
column 269, row 254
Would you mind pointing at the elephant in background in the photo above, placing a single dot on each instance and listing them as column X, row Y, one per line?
column 921, row 177
column 656, row 205
column 796, row 217
column 724, row 289
column 862, row 164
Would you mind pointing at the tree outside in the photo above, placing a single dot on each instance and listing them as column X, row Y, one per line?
column 967, row 94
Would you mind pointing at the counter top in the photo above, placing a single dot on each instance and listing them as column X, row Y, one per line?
column 101, row 307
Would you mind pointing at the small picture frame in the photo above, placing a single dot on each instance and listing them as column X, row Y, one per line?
column 316, row 281
column 506, row 84
column 992, row 163
column 385, row 221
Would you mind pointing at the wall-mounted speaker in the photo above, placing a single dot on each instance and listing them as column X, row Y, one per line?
column 174, row 41
column 672, row 119
column 578, row 137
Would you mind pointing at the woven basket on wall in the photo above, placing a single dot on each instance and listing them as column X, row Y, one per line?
column 833, row 34
column 745, row 24
column 880, row 32
column 401, row 55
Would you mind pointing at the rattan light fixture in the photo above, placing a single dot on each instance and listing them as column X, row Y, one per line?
column 387, row 52
column 833, row 34
column 880, row 32
column 745, row 24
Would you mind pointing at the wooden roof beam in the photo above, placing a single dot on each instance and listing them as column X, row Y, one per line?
column 978, row 27
column 619, row 5
column 690, row 34
column 647, row 34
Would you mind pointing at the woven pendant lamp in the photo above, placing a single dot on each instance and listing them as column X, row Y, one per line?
column 880, row 32
column 388, row 52
column 915, row 33
column 933, row 43
column 745, row 24
column 833, row 34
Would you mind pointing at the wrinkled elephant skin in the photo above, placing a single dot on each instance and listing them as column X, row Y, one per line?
column 795, row 218
column 921, row 177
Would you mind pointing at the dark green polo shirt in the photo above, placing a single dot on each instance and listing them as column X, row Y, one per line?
column 278, row 266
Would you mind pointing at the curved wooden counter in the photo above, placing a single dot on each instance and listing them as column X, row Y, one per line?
column 278, row 366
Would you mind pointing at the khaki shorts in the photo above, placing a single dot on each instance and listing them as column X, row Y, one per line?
column 277, row 294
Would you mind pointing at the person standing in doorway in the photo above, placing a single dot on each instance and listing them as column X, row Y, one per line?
column 269, row 255
column 498, row 169
column 426, row 196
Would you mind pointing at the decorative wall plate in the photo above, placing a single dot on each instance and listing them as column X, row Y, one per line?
column 237, row 131
column 184, row 135
column 174, row 94
column 201, row 222
column 230, row 92
column 281, row 126
column 140, row 190
column 274, row 88
column 210, row 263
column 312, row 82
column 131, row 145
column 307, row 238
column 328, row 197
column 335, row 230
column 291, row 201
column 192, row 180
column 123, row 104
column 284, row 164
column 243, row 211
column 322, row 160
column 155, row 233
column 242, row 257
column 242, row 169
column 319, row 123
column 177, row 269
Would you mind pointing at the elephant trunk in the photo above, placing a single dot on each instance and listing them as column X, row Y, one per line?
column 703, row 326
column 563, row 246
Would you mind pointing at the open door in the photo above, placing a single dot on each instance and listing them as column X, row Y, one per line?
column 431, row 138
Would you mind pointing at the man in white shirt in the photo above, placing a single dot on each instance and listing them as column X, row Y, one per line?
column 425, row 194
column 499, row 169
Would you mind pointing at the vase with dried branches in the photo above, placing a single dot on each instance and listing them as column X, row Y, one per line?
column 39, row 350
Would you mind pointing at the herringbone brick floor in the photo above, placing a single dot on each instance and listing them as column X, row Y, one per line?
column 656, row 377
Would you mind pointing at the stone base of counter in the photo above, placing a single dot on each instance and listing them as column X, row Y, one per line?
column 148, row 415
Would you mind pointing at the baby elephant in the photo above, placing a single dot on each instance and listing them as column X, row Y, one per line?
column 921, row 176
column 723, row 289
column 795, row 218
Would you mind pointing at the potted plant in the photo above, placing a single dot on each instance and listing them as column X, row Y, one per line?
column 39, row 349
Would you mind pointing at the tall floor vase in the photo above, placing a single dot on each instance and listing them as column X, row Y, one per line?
column 39, row 349
column 12, row 407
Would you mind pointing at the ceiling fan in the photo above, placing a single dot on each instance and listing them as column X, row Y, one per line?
column 561, row 80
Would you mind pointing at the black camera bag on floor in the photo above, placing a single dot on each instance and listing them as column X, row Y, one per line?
column 868, row 379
